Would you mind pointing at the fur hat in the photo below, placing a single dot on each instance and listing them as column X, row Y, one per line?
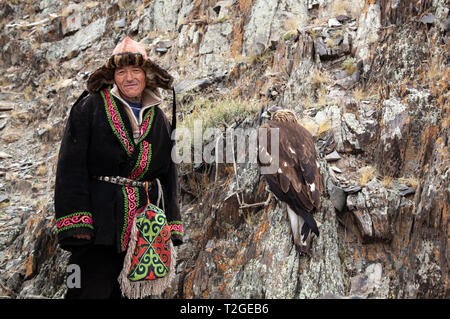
column 129, row 52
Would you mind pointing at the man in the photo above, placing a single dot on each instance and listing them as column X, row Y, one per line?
column 116, row 138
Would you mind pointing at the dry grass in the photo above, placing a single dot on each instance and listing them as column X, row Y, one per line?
column 290, row 34
column 367, row 174
column 220, row 113
column 255, row 58
column 359, row 94
column 348, row 7
column 387, row 181
column 322, row 98
column 324, row 127
column 319, row 78
column 349, row 65
column 310, row 125
column 42, row 170
column 436, row 69
column 292, row 23
column 315, row 33
column 410, row 181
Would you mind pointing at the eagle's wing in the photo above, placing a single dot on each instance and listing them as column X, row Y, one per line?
column 298, row 166
column 297, row 145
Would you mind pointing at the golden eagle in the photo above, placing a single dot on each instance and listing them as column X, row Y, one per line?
column 297, row 181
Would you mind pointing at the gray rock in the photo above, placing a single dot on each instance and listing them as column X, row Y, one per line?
column 320, row 47
column 407, row 191
column 369, row 282
column 5, row 10
column 338, row 41
column 333, row 22
column 6, row 106
column 333, row 156
column 4, row 155
column 71, row 46
column 120, row 23
column 342, row 18
column 164, row 44
column 367, row 32
column 336, row 169
column 3, row 198
column 74, row 21
column 267, row 21
column 161, row 50
column 338, row 198
column 221, row 7
column 352, row 189
column 216, row 38
column 427, row 18
column 446, row 25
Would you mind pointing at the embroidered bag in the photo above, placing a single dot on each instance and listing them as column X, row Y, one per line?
column 149, row 264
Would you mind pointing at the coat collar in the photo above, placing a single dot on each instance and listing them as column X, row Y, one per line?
column 149, row 99
column 118, row 126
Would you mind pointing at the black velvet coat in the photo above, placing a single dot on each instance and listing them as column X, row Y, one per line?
column 98, row 141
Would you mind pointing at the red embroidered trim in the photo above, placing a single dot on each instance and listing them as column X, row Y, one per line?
column 143, row 162
column 145, row 127
column 176, row 228
column 116, row 123
column 80, row 219
column 131, row 199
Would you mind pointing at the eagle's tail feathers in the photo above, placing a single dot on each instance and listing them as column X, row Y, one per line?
column 309, row 220
column 306, row 230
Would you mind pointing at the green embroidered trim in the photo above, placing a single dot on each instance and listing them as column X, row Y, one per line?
column 75, row 226
column 78, row 219
column 149, row 159
column 125, row 215
column 148, row 123
column 176, row 227
column 143, row 161
column 73, row 214
column 176, row 232
column 131, row 204
column 116, row 122
column 141, row 148
column 156, row 209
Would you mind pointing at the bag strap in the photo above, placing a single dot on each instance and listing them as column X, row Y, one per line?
column 160, row 193
column 174, row 110
column 146, row 191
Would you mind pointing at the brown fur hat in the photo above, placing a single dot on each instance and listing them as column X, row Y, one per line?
column 129, row 52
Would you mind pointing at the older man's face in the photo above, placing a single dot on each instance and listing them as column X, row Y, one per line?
column 131, row 81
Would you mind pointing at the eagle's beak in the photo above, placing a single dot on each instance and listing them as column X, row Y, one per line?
column 265, row 115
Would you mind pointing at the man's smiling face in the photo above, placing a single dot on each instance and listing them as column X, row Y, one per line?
column 131, row 81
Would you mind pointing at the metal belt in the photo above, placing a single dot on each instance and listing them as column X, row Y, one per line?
column 119, row 180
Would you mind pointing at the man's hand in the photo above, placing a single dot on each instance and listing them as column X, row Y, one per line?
column 82, row 236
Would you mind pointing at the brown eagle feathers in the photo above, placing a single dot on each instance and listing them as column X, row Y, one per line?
column 298, row 181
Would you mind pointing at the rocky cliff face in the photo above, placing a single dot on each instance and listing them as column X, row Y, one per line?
column 369, row 79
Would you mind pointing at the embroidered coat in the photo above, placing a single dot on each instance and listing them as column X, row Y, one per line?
column 98, row 141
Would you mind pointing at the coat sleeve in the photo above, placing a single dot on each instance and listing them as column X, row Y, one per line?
column 72, row 202
column 172, row 205
column 171, row 185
